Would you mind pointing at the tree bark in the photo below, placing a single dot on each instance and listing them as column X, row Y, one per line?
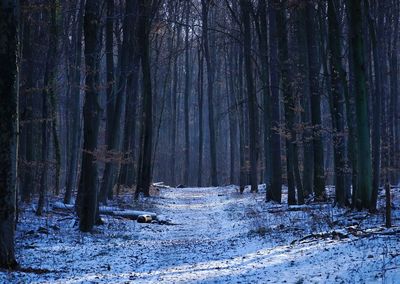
column 75, row 93
column 251, row 95
column 289, row 102
column 8, row 133
column 146, row 143
column 88, row 185
column 336, row 104
column 316, row 119
column 210, row 91
column 275, row 191
column 186, row 98
column 363, row 194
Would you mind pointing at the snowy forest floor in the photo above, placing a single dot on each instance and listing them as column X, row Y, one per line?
column 214, row 235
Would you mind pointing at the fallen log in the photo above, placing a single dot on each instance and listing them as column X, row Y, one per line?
column 160, row 185
column 132, row 214
column 335, row 235
column 112, row 211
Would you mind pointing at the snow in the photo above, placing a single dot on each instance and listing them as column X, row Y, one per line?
column 213, row 235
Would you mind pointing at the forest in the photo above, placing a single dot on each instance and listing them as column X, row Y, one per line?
column 199, row 141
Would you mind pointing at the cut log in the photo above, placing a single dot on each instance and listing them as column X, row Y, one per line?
column 113, row 211
column 144, row 219
column 160, row 185
column 133, row 214
column 63, row 206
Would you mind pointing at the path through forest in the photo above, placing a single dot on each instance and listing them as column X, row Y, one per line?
column 215, row 235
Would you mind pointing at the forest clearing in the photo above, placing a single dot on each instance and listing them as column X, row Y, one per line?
column 212, row 235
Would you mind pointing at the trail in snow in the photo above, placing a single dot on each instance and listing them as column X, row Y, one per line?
column 219, row 236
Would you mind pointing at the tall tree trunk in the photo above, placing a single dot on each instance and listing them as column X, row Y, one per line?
column 200, row 106
column 336, row 104
column 127, row 172
column 275, row 191
column 174, row 110
column 304, row 86
column 363, row 199
column 146, row 143
column 110, row 99
column 245, row 6
column 26, row 188
column 8, row 131
column 289, row 101
column 88, row 185
column 263, row 44
column 210, row 91
column 47, row 97
column 115, row 133
column 186, row 99
column 376, row 100
column 232, row 107
column 316, row 120
column 75, row 93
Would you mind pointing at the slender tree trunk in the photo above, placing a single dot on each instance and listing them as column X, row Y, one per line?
column 8, row 133
column 289, row 101
column 127, row 171
column 304, row 85
column 263, row 44
column 47, row 97
column 210, row 92
column 174, row 110
column 275, row 192
column 113, row 144
column 146, row 143
column 316, row 119
column 186, row 99
column 200, row 106
column 232, row 114
column 26, row 188
column 245, row 6
column 336, row 104
column 376, row 99
column 75, row 92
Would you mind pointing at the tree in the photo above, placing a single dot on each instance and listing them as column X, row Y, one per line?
column 336, row 103
column 293, row 175
column 275, row 191
column 48, row 106
column 246, row 8
column 187, row 94
column 8, row 131
column 75, row 61
column 363, row 194
column 205, row 4
column 114, row 115
column 88, row 185
column 146, row 144
column 316, row 119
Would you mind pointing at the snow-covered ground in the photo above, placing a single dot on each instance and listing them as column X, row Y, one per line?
column 212, row 235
